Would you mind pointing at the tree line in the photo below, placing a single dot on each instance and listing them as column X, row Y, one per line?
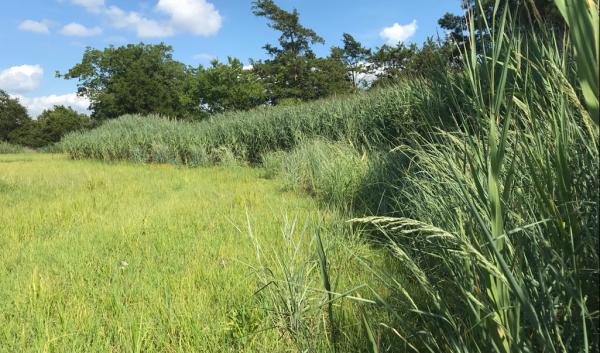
column 143, row 78
column 17, row 127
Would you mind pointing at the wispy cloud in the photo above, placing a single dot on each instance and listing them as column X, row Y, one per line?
column 204, row 57
column 36, row 105
column 90, row 5
column 35, row 26
column 78, row 30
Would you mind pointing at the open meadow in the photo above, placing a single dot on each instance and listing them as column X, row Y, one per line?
column 125, row 257
column 450, row 204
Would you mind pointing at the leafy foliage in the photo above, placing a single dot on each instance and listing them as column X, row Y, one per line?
column 229, row 86
column 294, row 71
column 355, row 58
column 12, row 115
column 130, row 79
column 50, row 127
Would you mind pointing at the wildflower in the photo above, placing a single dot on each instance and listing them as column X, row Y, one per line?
column 123, row 264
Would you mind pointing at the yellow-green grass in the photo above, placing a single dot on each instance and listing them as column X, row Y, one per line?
column 66, row 226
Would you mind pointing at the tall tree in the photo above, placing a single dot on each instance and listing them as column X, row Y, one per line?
column 59, row 121
column 431, row 58
column 295, row 38
column 229, row 86
column 293, row 67
column 390, row 62
column 130, row 79
column 329, row 75
column 12, row 115
column 355, row 57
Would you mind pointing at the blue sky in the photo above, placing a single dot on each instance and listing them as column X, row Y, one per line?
column 38, row 37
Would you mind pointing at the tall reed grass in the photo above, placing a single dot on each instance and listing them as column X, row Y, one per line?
column 500, row 227
column 6, row 147
column 353, row 180
column 368, row 120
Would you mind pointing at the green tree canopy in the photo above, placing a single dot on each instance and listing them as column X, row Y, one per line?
column 50, row 127
column 355, row 57
column 59, row 121
column 295, row 38
column 389, row 62
column 433, row 57
column 12, row 115
column 137, row 78
column 294, row 72
column 229, row 86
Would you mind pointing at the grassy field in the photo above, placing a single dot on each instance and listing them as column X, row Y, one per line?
column 473, row 199
column 69, row 227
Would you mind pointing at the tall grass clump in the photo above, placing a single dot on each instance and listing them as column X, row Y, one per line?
column 353, row 180
column 330, row 171
column 150, row 139
column 304, row 296
column 499, row 225
column 6, row 147
column 374, row 119
column 289, row 292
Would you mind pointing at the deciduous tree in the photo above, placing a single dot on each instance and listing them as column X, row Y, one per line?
column 229, row 86
column 137, row 78
column 12, row 115
column 50, row 127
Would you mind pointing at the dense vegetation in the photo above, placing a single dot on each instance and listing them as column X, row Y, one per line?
column 379, row 118
column 6, row 147
column 131, row 258
column 488, row 201
column 17, row 127
column 479, row 181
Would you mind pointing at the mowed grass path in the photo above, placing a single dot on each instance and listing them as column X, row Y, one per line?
column 65, row 227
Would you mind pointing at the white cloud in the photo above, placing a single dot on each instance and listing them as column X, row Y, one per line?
column 398, row 33
column 248, row 67
column 90, row 5
column 368, row 75
column 36, row 105
column 35, row 26
column 20, row 79
column 144, row 27
column 198, row 17
column 78, row 30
